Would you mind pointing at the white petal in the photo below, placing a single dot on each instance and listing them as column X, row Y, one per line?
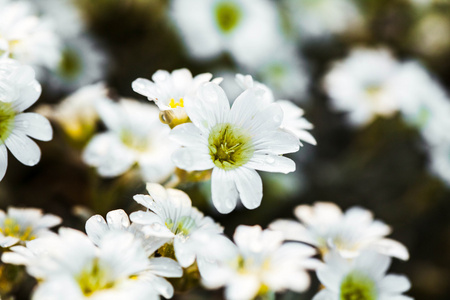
column 34, row 125
column 188, row 135
column 28, row 96
column 242, row 287
column 184, row 254
column 391, row 248
column 249, row 185
column 271, row 163
column 394, row 284
column 224, row 191
column 96, row 228
column 193, row 159
column 117, row 219
column 292, row 230
column 166, row 267
column 3, row 161
column 23, row 148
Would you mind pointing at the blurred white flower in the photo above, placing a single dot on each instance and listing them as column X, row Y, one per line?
column 169, row 90
column 322, row 18
column 212, row 27
column 77, row 113
column 170, row 216
column 259, row 263
column 362, row 278
column 134, row 135
column 293, row 120
column 423, row 102
column 70, row 266
column 26, row 37
column 18, row 91
column 361, row 85
column 82, row 62
column 326, row 227
column 19, row 225
column 234, row 143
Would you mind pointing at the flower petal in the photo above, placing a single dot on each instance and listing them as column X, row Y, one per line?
column 249, row 185
column 193, row 159
column 23, row 148
column 3, row 161
column 224, row 191
column 34, row 125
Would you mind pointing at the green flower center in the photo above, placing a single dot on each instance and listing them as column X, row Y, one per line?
column 93, row 279
column 228, row 16
column 12, row 228
column 7, row 116
column 357, row 286
column 133, row 142
column 230, row 147
column 70, row 65
column 184, row 225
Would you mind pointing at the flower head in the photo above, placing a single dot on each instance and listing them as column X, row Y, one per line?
column 228, row 26
column 362, row 85
column 234, row 142
column 362, row 278
column 26, row 37
column 259, row 263
column 18, row 91
column 326, row 227
column 19, row 225
column 134, row 135
column 170, row 216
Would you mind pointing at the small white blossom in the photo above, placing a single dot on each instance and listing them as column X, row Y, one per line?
column 234, row 143
column 170, row 216
column 20, row 225
column 326, row 227
column 362, row 278
column 361, row 85
column 26, row 37
column 259, row 263
column 134, row 135
column 228, row 26
column 18, row 91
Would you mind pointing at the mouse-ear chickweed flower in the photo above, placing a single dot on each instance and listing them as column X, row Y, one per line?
column 234, row 142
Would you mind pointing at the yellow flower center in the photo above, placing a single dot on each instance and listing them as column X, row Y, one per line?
column 230, row 147
column 12, row 228
column 228, row 16
column 357, row 286
column 93, row 278
column 7, row 116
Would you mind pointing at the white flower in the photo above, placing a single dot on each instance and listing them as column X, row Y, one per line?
column 135, row 135
column 228, row 26
column 327, row 228
column 82, row 62
column 70, row 266
column 170, row 216
column 20, row 225
column 423, row 102
column 26, row 37
column 361, row 85
column 362, row 278
column 293, row 120
column 260, row 264
column 321, row 18
column 117, row 220
column 234, row 143
column 168, row 91
column 77, row 113
column 18, row 91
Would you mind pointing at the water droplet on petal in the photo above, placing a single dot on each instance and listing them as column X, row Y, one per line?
column 156, row 226
column 277, row 118
column 99, row 219
column 25, row 124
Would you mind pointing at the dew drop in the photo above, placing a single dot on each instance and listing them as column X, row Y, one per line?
column 277, row 118
column 156, row 226
column 270, row 160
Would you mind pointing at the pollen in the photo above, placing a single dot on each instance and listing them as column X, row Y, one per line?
column 230, row 147
column 7, row 116
column 174, row 104
column 93, row 279
column 12, row 228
